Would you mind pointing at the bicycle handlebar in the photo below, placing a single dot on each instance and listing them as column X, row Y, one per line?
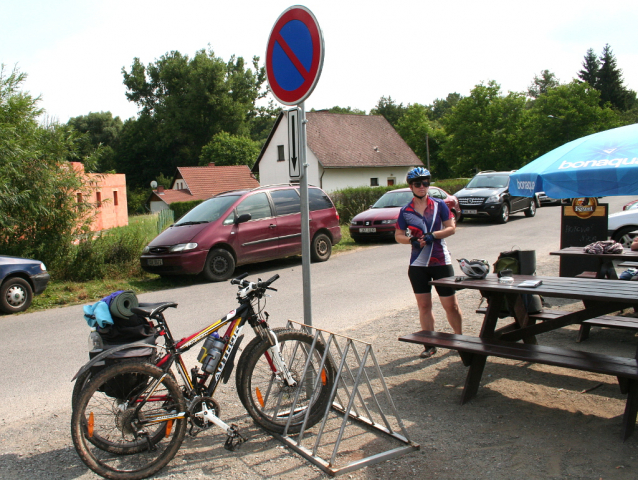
column 258, row 285
column 238, row 280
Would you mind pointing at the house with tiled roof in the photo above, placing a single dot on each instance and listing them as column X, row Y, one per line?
column 344, row 150
column 201, row 183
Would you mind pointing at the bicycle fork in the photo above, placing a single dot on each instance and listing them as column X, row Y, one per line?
column 277, row 362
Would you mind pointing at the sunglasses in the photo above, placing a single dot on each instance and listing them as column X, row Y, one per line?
column 425, row 183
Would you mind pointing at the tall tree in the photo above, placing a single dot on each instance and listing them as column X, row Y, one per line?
column 591, row 66
column 441, row 107
column 39, row 212
column 183, row 103
column 389, row 109
column 562, row 114
column 423, row 135
column 609, row 81
column 484, row 131
column 100, row 132
column 542, row 84
column 227, row 149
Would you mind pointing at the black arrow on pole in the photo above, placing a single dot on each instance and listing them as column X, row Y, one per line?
column 293, row 154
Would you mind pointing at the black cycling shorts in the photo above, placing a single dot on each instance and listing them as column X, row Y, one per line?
column 420, row 279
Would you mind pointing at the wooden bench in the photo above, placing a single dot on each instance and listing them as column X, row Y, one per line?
column 609, row 321
column 586, row 275
column 542, row 315
column 474, row 352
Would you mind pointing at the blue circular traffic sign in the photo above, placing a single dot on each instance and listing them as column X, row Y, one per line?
column 294, row 55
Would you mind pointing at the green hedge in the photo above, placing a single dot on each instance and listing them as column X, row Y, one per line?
column 353, row 200
column 181, row 208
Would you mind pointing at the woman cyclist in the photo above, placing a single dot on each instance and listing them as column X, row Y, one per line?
column 424, row 223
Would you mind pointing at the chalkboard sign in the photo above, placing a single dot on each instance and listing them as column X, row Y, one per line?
column 583, row 222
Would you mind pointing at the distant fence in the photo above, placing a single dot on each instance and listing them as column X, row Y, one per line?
column 164, row 219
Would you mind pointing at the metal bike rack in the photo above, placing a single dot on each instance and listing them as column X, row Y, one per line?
column 369, row 409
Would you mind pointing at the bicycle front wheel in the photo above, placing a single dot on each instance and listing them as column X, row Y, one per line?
column 267, row 397
column 118, row 439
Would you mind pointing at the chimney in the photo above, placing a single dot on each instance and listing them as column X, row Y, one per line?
column 160, row 189
column 211, row 164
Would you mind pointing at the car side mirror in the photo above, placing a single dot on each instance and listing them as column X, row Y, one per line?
column 244, row 217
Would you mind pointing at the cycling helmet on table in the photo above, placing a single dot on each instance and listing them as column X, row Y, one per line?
column 417, row 173
column 474, row 268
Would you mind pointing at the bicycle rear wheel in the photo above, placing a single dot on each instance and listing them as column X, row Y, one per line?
column 269, row 401
column 117, row 440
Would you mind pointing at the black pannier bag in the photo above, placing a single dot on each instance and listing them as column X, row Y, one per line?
column 124, row 331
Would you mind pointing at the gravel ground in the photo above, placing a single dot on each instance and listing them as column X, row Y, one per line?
column 528, row 420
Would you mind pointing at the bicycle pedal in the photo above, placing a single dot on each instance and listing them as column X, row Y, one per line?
column 234, row 439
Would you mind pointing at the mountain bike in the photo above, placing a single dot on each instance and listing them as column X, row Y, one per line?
column 130, row 419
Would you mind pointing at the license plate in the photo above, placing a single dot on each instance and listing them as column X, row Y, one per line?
column 469, row 212
column 155, row 262
column 368, row 230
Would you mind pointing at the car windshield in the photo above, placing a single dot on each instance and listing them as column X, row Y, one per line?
column 208, row 211
column 393, row 199
column 489, row 181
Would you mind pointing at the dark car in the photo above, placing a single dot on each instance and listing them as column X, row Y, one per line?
column 378, row 222
column 20, row 280
column 243, row 226
column 488, row 196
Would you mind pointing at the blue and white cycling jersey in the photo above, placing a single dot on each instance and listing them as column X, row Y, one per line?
column 435, row 214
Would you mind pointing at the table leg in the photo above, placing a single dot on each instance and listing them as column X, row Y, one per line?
column 523, row 320
column 607, row 270
column 631, row 410
column 473, row 379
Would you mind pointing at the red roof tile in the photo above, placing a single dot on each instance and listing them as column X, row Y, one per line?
column 205, row 182
column 346, row 141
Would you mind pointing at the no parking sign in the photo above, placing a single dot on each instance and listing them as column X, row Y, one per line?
column 294, row 55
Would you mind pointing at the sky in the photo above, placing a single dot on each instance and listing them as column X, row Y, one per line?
column 73, row 51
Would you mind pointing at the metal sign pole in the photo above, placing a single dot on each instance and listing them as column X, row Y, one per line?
column 305, row 219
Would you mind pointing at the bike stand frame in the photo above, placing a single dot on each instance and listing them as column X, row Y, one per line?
column 353, row 377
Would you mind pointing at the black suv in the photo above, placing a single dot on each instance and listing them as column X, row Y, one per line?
column 488, row 196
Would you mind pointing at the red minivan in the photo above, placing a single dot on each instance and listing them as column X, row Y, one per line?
column 243, row 226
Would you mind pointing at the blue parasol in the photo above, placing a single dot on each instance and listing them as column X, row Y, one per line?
column 599, row 165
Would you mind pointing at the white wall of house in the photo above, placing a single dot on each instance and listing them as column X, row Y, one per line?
column 157, row 206
column 339, row 178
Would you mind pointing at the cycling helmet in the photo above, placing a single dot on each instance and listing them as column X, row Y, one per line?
column 474, row 268
column 416, row 173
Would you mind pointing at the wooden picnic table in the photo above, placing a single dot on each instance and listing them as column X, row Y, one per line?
column 600, row 297
column 605, row 260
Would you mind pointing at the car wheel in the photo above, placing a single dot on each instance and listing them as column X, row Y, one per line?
column 321, row 248
column 455, row 216
column 625, row 236
column 15, row 295
column 531, row 211
column 504, row 215
column 219, row 265
column 459, row 217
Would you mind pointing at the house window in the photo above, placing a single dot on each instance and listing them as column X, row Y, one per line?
column 98, row 196
column 374, row 182
column 79, row 197
column 391, row 181
column 115, row 200
column 280, row 153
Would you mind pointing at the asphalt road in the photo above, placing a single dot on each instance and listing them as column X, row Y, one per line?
column 41, row 351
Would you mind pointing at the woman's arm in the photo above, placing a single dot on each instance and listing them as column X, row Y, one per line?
column 449, row 229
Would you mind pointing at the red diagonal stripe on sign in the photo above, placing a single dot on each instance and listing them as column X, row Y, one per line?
column 291, row 55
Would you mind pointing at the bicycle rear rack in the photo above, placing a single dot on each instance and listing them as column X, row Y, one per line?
column 359, row 393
